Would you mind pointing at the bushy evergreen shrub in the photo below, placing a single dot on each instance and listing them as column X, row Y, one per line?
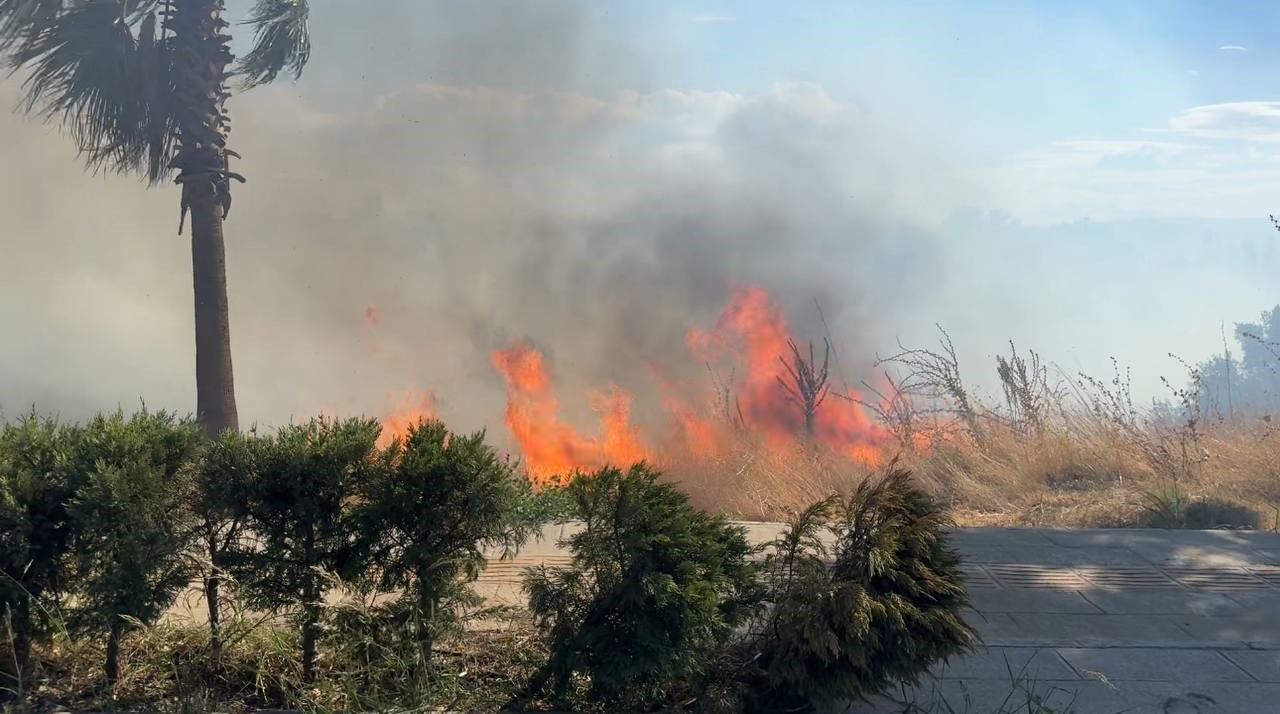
column 654, row 590
column 36, row 531
column 132, row 522
column 424, row 522
column 225, row 474
column 862, row 592
column 295, row 502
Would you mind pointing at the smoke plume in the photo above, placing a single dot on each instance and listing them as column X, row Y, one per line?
column 448, row 178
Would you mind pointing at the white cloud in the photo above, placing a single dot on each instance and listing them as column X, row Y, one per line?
column 1233, row 48
column 1130, row 179
column 1242, row 121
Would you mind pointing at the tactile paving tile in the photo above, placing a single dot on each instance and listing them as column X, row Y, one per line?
column 1268, row 573
column 1036, row 576
column 1127, row 577
column 976, row 577
column 512, row 571
column 1217, row 579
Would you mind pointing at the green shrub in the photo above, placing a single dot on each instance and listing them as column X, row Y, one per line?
column 132, row 522
column 295, row 502
column 654, row 589
column 36, row 531
column 862, row 592
column 425, row 520
column 224, row 474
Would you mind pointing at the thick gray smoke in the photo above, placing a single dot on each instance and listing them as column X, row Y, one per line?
column 479, row 172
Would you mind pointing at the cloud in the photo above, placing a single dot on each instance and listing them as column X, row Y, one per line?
column 1142, row 158
column 1132, row 179
column 712, row 18
column 1233, row 48
column 1244, row 121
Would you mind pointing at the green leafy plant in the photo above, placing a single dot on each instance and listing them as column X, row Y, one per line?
column 36, row 531
column 427, row 518
column 654, row 588
column 296, row 504
column 132, row 523
column 224, row 474
column 861, row 592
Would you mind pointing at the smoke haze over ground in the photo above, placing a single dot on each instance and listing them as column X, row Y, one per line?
column 485, row 172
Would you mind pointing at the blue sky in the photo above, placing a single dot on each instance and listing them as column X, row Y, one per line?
column 1008, row 75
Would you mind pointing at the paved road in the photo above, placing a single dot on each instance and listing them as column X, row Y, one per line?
column 1092, row 621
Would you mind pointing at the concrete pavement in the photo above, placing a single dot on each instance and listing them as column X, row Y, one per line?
column 1088, row 621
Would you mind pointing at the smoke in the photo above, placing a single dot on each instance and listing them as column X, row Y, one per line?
column 479, row 173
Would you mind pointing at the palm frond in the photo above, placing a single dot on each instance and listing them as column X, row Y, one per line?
column 87, row 68
column 18, row 17
column 281, row 41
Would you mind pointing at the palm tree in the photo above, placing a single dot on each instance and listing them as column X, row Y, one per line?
column 141, row 87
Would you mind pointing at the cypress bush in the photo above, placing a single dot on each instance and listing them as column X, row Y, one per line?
column 132, row 523
column 36, row 531
column 225, row 474
column 423, row 523
column 861, row 592
column 295, row 502
column 654, row 589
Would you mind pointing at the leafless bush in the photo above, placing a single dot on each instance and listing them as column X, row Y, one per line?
column 727, row 406
column 1111, row 401
column 934, row 377
column 1027, row 392
column 807, row 382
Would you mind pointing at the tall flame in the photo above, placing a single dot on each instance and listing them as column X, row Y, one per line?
column 551, row 446
column 753, row 329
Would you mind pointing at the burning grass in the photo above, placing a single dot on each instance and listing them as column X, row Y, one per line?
column 770, row 432
column 1079, row 468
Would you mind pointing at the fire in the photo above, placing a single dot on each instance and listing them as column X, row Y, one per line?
column 753, row 330
column 413, row 407
column 698, row 435
column 550, row 446
column 749, row 341
column 690, row 431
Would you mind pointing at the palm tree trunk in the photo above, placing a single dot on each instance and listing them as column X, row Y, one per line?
column 215, row 387
column 200, row 57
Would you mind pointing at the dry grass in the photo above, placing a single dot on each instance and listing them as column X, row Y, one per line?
column 169, row 667
column 1079, row 469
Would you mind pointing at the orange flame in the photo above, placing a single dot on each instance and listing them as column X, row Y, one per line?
column 751, row 334
column 550, row 446
column 753, row 329
column 413, row 407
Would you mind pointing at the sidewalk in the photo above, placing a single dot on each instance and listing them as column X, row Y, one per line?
column 1093, row 621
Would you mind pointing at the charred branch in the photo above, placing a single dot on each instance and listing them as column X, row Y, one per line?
column 806, row 383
